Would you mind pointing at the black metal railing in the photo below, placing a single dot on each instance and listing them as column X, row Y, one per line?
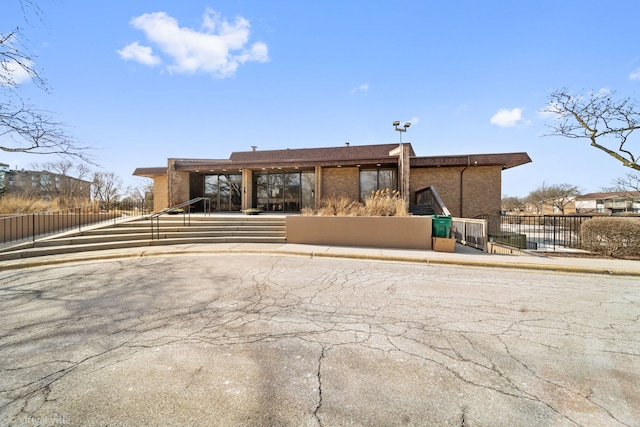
column 29, row 227
column 184, row 208
column 429, row 196
column 541, row 232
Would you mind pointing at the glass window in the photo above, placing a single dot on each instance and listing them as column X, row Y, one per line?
column 368, row 183
column 284, row 191
column 225, row 192
column 377, row 179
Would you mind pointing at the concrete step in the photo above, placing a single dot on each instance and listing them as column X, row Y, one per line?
column 122, row 244
column 185, row 229
column 104, row 238
column 172, row 230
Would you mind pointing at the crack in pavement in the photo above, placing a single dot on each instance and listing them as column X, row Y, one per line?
column 492, row 333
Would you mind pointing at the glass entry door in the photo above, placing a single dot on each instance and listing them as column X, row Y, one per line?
column 225, row 192
column 283, row 191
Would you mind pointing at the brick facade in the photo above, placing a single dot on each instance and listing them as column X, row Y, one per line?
column 341, row 182
column 466, row 191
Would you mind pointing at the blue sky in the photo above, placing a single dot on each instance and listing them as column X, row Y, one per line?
column 145, row 80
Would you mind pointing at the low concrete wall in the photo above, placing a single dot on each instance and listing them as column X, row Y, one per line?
column 365, row 231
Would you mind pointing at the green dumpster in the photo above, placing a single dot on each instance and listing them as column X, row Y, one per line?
column 440, row 226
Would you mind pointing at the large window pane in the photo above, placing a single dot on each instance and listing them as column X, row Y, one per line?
column 225, row 192
column 387, row 179
column 308, row 189
column 262, row 192
column 377, row 179
column 368, row 183
column 292, row 192
column 235, row 192
column 211, row 191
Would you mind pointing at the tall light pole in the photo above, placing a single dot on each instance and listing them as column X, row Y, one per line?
column 403, row 129
column 404, row 174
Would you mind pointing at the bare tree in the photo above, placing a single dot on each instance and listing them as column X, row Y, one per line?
column 599, row 117
column 23, row 127
column 557, row 196
column 106, row 188
column 65, row 181
column 141, row 194
column 512, row 204
column 626, row 184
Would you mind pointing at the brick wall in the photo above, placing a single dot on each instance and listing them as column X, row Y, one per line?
column 481, row 188
column 160, row 193
column 341, row 182
column 178, row 184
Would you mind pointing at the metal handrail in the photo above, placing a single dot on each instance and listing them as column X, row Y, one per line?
column 186, row 217
column 429, row 196
column 28, row 227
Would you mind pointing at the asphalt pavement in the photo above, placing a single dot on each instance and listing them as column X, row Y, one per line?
column 463, row 255
column 292, row 335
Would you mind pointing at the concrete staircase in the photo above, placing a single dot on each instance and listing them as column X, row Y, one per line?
column 172, row 230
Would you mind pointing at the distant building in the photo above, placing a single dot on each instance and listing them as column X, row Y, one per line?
column 4, row 169
column 46, row 185
column 609, row 203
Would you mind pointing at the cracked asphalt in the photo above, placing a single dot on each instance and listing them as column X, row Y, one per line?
column 266, row 340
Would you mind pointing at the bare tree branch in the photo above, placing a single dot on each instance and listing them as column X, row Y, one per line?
column 605, row 121
column 23, row 127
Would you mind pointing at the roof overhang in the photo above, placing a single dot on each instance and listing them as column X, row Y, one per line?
column 150, row 172
column 504, row 160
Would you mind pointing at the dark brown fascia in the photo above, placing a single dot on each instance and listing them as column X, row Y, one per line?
column 504, row 160
column 150, row 172
column 290, row 164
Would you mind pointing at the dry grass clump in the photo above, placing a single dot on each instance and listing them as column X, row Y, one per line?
column 613, row 237
column 25, row 204
column 338, row 206
column 385, row 203
column 380, row 203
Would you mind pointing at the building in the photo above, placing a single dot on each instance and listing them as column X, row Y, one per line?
column 292, row 179
column 609, row 203
column 46, row 185
column 4, row 170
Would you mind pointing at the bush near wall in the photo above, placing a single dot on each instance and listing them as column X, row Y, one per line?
column 614, row 237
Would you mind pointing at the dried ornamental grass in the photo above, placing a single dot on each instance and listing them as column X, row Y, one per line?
column 25, row 204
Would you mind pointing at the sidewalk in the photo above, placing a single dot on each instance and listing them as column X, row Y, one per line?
column 463, row 256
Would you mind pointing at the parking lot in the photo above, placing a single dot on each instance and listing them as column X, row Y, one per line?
column 250, row 339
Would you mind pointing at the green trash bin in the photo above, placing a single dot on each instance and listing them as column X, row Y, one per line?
column 441, row 225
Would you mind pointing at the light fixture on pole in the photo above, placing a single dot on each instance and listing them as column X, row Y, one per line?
column 403, row 164
column 396, row 125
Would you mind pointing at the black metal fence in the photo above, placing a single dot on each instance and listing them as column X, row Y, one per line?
column 25, row 227
column 541, row 232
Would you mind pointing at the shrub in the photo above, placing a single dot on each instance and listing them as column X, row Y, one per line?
column 614, row 237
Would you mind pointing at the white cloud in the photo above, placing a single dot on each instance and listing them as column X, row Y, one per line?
column 141, row 54
column 218, row 48
column 507, row 118
column 362, row 88
column 635, row 75
column 414, row 120
column 11, row 71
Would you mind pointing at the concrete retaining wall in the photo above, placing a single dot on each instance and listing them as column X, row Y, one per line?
column 375, row 232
